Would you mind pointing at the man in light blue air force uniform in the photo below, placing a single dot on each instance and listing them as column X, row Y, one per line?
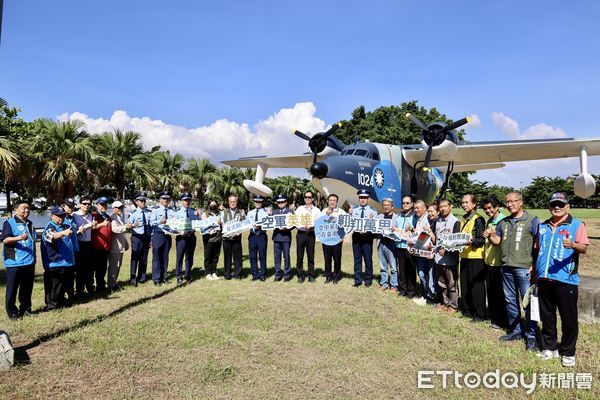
column 140, row 239
column 185, row 242
column 161, row 242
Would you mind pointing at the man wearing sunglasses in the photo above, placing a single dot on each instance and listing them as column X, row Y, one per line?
column 84, row 270
column 305, row 239
column 560, row 241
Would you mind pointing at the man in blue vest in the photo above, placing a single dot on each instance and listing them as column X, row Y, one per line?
column 18, row 238
column 185, row 243
column 161, row 242
column 257, row 241
column 282, row 240
column 560, row 241
column 58, row 259
column 140, row 239
column 362, row 242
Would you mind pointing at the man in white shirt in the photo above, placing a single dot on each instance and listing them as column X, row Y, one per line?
column 305, row 239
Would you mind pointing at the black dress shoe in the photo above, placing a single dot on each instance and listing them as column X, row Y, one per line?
column 134, row 282
column 263, row 279
column 300, row 279
column 277, row 279
column 328, row 280
column 14, row 317
column 357, row 285
column 157, row 283
column 287, row 279
column 311, row 279
column 367, row 284
column 254, row 278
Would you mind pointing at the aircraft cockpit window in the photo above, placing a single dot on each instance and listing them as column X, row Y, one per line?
column 361, row 153
column 375, row 156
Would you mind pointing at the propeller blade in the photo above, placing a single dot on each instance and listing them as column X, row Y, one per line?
column 456, row 124
column 332, row 130
column 427, row 158
column 302, row 135
column 417, row 121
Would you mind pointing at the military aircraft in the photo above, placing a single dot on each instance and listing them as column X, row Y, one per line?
column 423, row 170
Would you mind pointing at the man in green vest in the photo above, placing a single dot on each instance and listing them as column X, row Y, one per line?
column 493, row 260
column 515, row 234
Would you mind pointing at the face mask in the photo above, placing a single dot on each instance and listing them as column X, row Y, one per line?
column 213, row 208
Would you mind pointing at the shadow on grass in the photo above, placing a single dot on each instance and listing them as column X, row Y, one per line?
column 21, row 352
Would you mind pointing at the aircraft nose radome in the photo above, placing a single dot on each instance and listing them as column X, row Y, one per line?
column 319, row 170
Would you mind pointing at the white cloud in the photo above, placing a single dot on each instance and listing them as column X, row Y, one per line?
column 511, row 128
column 506, row 124
column 474, row 122
column 223, row 139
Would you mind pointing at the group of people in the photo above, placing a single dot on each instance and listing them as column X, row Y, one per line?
column 82, row 251
column 505, row 256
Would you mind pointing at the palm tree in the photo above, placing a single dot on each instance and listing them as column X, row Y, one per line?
column 170, row 172
column 123, row 155
column 203, row 173
column 64, row 154
column 10, row 150
column 231, row 180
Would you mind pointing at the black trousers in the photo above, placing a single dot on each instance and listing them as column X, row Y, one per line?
column 61, row 283
column 472, row 287
column 100, row 267
column 362, row 249
column 552, row 296
column 212, row 250
column 184, row 246
column 305, row 241
column 84, row 271
column 232, row 249
column 140, row 245
column 333, row 253
column 495, row 297
column 19, row 283
column 407, row 274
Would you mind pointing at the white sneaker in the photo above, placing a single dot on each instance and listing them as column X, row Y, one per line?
column 568, row 361
column 209, row 277
column 420, row 301
column 215, row 277
column 547, row 354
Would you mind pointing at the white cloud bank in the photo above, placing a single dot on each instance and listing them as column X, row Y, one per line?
column 510, row 127
column 221, row 140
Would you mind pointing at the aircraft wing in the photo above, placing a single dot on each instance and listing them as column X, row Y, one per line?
column 505, row 151
column 301, row 161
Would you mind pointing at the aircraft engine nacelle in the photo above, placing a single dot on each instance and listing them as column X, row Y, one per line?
column 446, row 150
column 585, row 185
column 444, row 144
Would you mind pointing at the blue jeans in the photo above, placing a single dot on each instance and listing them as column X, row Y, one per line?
column 514, row 279
column 427, row 277
column 387, row 259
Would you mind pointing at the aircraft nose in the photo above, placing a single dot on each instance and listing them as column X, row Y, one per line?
column 319, row 170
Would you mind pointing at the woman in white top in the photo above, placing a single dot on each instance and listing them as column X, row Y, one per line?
column 119, row 244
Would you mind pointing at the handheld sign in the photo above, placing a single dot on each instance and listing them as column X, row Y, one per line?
column 454, row 241
column 328, row 231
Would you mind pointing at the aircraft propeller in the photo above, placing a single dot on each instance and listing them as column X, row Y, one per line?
column 318, row 141
column 434, row 135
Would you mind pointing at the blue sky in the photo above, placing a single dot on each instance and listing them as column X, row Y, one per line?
column 183, row 68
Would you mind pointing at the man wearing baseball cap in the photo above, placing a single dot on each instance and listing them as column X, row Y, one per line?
column 58, row 259
column 560, row 241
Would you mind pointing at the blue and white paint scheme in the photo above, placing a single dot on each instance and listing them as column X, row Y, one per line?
column 422, row 170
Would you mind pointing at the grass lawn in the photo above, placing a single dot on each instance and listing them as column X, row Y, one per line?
column 244, row 339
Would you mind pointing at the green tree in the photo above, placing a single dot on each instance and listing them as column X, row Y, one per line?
column 203, row 173
column 64, row 155
column 170, row 172
column 124, row 161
